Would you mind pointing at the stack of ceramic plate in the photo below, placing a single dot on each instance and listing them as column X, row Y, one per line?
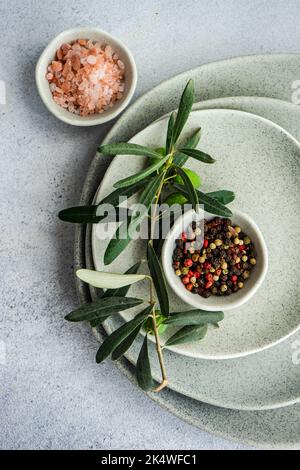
column 243, row 380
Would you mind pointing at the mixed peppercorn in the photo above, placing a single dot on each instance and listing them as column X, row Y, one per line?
column 214, row 260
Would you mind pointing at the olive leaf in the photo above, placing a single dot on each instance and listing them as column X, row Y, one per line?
column 142, row 174
column 102, row 307
column 158, row 242
column 187, row 334
column 169, row 139
column 116, row 338
column 125, row 345
column 90, row 214
column 193, row 317
column 80, row 214
column 118, row 243
column 120, row 292
column 184, row 109
column 190, row 143
column 114, row 197
column 224, row 196
column 145, row 201
column 191, row 192
column 198, row 155
column 124, row 148
column 143, row 368
column 108, row 280
column 159, row 281
column 211, row 205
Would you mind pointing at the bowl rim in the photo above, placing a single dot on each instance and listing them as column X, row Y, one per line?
column 74, row 119
column 197, row 301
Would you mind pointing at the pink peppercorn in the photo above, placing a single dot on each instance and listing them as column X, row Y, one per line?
column 206, row 265
column 183, row 236
column 188, row 262
column 185, row 279
column 208, row 284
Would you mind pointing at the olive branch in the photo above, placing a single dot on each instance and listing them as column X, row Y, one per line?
column 165, row 178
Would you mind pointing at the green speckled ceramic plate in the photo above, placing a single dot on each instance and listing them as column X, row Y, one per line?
column 271, row 76
column 253, row 156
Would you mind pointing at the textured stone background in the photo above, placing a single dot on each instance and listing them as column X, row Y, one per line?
column 53, row 395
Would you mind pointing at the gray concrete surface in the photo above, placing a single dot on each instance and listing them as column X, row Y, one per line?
column 52, row 393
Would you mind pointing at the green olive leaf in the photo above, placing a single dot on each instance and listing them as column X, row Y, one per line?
column 142, row 174
column 170, row 131
column 121, row 292
column 114, row 197
column 143, row 368
column 124, row 148
column 159, row 281
column 80, row 214
column 118, row 243
column 190, row 143
column 187, row 334
column 191, row 192
column 117, row 337
column 193, row 317
column 125, row 345
column 184, row 109
column 224, row 196
column 211, row 205
column 145, row 200
column 198, row 155
column 101, row 308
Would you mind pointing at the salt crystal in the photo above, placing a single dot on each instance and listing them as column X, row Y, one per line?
column 86, row 78
column 91, row 59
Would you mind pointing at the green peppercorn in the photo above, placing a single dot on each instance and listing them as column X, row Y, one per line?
column 252, row 261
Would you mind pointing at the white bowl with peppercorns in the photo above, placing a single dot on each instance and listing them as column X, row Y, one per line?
column 214, row 263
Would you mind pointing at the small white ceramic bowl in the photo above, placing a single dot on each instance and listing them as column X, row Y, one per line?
column 214, row 303
column 49, row 54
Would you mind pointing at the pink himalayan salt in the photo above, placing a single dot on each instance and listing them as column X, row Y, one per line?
column 86, row 77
